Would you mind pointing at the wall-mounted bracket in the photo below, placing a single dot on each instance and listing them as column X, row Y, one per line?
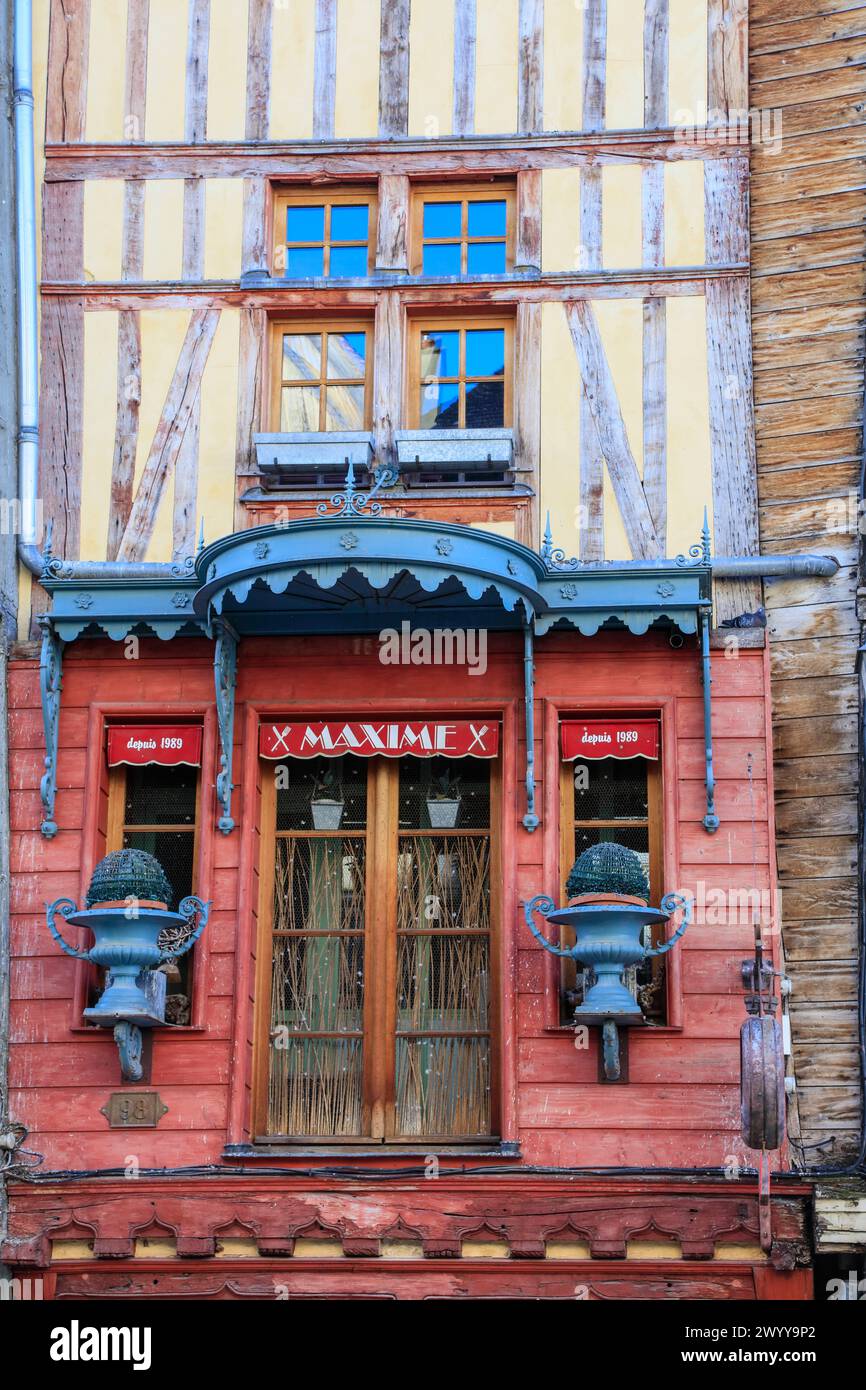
column 50, row 684
column 225, row 679
column 530, row 820
column 711, row 820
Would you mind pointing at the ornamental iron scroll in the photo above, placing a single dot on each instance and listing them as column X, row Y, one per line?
column 225, row 680
column 350, row 502
column 50, row 684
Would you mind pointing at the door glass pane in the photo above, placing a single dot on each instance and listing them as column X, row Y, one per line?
column 350, row 223
column 346, row 356
column 442, row 219
column 442, row 259
column 344, row 408
column 299, row 409
column 315, row 1082
column 305, row 223
column 487, row 218
column 302, row 356
column 485, row 405
column 443, row 949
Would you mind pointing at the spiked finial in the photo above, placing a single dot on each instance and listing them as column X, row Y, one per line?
column 705, row 540
column 547, row 543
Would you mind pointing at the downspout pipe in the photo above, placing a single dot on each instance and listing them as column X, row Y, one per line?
column 775, row 567
column 28, row 341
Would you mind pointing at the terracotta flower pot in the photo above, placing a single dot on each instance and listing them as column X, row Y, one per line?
column 590, row 899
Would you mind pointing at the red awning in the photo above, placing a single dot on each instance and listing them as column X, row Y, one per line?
column 167, row 744
column 609, row 738
column 379, row 738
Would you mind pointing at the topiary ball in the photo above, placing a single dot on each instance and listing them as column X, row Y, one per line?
column 608, row 868
column 128, row 873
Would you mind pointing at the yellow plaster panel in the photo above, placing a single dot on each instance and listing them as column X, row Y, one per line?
column 560, row 427
column 567, row 1250
column 687, row 73
column 653, row 1250
column 496, row 67
column 100, row 396
column 318, row 1249
column 401, row 1250
column 622, row 247
column 356, row 108
column 227, row 70
column 166, row 70
column 689, row 466
column 236, row 1248
column 162, row 333
column 431, row 68
column 72, row 1250
column 485, row 1250
column 563, row 50
column 163, row 229
column 684, row 212
column 223, row 228
column 499, row 528
column 155, row 1249
column 560, row 220
column 103, row 228
column 624, row 68
column 620, row 326
column 752, row 1253
column 293, row 39
column 216, row 459
column 105, row 72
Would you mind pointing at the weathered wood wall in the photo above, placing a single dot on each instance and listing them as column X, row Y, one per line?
column 808, row 224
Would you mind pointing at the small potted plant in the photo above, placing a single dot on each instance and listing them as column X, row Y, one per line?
column 326, row 800
column 607, row 873
column 443, row 801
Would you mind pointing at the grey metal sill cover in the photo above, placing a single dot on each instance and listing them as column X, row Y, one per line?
column 352, row 571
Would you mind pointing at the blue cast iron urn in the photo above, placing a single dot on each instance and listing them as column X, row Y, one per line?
column 133, row 933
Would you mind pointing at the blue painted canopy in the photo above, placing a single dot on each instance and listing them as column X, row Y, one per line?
column 360, row 573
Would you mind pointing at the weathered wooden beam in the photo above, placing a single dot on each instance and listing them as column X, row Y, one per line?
column 727, row 58
column 591, row 511
column 394, row 69
column 530, row 70
column 252, row 346
column 465, row 34
column 258, row 105
column 338, row 160
column 656, row 38
column 176, row 412
column 527, row 251
column 600, row 392
column 325, row 70
column 389, row 352
column 527, row 413
column 195, row 95
column 254, row 249
column 392, row 230
column 68, row 57
column 135, row 75
column 593, row 63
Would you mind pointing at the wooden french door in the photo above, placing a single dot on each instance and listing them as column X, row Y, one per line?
column 378, row 975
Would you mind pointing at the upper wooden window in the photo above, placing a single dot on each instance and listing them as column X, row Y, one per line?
column 156, row 809
column 321, row 375
column 324, row 236
column 619, row 801
column 460, row 373
column 378, row 977
column 463, row 231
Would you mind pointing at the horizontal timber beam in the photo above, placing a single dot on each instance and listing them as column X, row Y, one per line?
column 307, row 159
column 628, row 284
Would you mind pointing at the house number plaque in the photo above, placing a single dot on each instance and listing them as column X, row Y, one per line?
column 134, row 1110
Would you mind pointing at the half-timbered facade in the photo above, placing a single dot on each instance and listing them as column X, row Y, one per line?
column 397, row 453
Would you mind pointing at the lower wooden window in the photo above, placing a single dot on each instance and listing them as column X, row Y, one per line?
column 157, row 809
column 376, row 988
column 619, row 801
column 321, row 375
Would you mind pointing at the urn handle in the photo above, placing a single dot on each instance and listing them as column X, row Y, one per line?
column 65, row 906
column 188, row 908
column 671, row 903
column 541, row 903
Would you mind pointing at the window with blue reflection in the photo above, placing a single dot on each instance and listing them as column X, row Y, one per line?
column 440, row 353
column 485, row 405
column 442, row 259
column 485, row 351
column 440, row 405
column 305, row 262
column 305, row 224
column 442, row 220
column 485, row 258
column 487, row 219
column 350, row 222
column 348, row 262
